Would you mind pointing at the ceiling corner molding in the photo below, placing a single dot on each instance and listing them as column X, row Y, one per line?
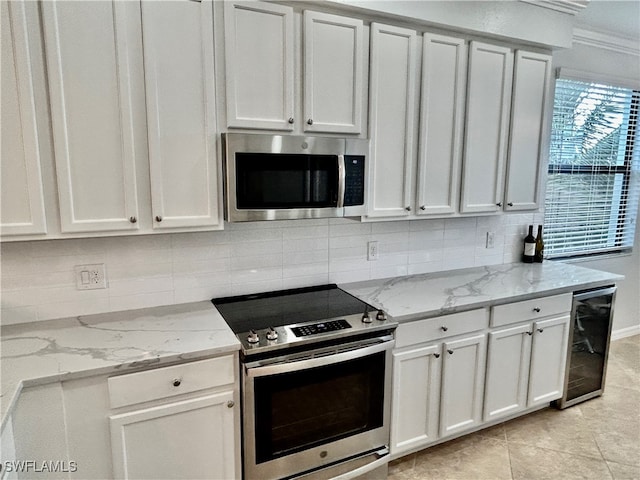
column 606, row 41
column 565, row 6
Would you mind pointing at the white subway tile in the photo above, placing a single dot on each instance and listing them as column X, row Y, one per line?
column 381, row 271
column 349, row 276
column 315, row 231
column 12, row 316
column 139, row 285
column 258, row 247
column 209, row 265
column 144, row 300
column 306, row 281
column 305, row 245
column 305, row 270
column 426, row 225
column 254, row 275
column 355, row 229
column 50, row 311
column 246, row 288
column 344, row 265
column 389, row 227
column 201, row 280
column 425, row 267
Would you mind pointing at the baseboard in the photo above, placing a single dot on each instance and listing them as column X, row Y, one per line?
column 625, row 332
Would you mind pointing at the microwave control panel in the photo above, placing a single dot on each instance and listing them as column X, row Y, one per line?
column 354, row 180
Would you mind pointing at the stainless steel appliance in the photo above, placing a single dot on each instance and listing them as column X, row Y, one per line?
column 316, row 379
column 589, row 338
column 281, row 177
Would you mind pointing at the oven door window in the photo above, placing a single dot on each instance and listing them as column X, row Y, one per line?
column 277, row 181
column 303, row 409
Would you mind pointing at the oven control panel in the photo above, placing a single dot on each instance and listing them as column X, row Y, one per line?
column 321, row 327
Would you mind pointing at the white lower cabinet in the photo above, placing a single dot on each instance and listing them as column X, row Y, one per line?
column 455, row 373
column 437, row 387
column 525, row 366
column 183, row 440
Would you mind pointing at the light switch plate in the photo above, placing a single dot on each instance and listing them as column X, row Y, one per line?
column 90, row 277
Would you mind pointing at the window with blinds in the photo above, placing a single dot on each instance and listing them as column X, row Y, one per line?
column 593, row 181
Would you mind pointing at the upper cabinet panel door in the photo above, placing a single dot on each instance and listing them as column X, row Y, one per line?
column 488, row 101
column 444, row 70
column 532, row 74
column 21, row 181
column 391, row 106
column 179, row 78
column 333, row 73
column 259, row 65
column 93, row 52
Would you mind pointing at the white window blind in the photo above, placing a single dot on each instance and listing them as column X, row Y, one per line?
column 593, row 181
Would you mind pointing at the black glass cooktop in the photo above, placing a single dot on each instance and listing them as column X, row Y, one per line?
column 287, row 307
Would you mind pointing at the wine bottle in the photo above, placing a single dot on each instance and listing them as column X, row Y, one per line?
column 539, row 255
column 529, row 247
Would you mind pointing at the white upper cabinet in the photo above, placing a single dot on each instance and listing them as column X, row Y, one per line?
column 444, row 69
column 259, row 65
column 21, row 193
column 179, row 81
column 261, row 71
column 487, row 122
column 93, row 56
column 391, row 109
column 529, row 124
column 333, row 73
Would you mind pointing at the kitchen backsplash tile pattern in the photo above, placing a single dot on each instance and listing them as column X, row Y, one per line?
column 38, row 280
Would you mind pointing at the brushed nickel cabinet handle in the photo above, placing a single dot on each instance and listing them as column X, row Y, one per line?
column 450, row 352
column 310, row 122
column 158, row 218
column 290, row 119
column 133, row 219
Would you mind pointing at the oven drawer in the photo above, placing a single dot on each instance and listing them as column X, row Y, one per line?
column 421, row 331
column 170, row 381
column 530, row 309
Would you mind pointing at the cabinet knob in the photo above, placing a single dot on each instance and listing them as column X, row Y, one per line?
column 541, row 330
column 177, row 382
column 158, row 218
column 499, row 204
column 510, row 204
column 450, row 352
column 230, row 403
column 444, row 328
column 290, row 119
column 310, row 122
column 422, row 207
column 529, row 333
column 536, row 309
column 408, row 209
column 436, row 355
column 133, row 219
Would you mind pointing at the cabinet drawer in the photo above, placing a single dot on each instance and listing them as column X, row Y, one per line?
column 436, row 328
column 170, row 381
column 530, row 309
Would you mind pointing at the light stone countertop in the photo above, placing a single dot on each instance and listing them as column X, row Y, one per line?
column 432, row 294
column 55, row 350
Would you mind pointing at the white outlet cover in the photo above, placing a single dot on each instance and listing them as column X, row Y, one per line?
column 90, row 277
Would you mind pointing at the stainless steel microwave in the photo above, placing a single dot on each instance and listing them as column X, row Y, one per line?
column 282, row 177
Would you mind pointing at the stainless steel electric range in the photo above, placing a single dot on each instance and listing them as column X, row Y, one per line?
column 316, row 378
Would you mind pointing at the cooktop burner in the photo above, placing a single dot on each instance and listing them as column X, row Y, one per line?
column 275, row 320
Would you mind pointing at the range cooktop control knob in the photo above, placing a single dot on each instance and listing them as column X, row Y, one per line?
column 272, row 334
column 253, row 337
column 381, row 316
column 366, row 318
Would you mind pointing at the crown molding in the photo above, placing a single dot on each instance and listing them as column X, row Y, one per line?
column 565, row 6
column 606, row 41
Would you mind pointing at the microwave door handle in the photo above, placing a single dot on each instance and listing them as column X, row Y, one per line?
column 341, row 181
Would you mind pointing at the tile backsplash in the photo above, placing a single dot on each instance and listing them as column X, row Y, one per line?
column 38, row 280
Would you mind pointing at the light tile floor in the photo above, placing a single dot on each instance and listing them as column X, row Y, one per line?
column 598, row 439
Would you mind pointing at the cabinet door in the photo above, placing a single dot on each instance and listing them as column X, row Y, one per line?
column 444, row 69
column 191, row 439
column 548, row 360
column 333, row 73
column 391, row 106
column 97, row 107
column 488, row 100
column 259, row 65
column 179, row 79
column 531, row 78
column 508, row 357
column 463, row 371
column 21, row 197
column 416, row 397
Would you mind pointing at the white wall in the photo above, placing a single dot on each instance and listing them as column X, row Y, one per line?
column 38, row 281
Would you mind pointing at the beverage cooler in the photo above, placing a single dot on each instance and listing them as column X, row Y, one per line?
column 589, row 337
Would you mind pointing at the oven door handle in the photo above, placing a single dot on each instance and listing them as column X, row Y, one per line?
column 306, row 363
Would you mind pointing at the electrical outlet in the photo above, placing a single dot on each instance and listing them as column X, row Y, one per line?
column 372, row 250
column 491, row 237
column 90, row 277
